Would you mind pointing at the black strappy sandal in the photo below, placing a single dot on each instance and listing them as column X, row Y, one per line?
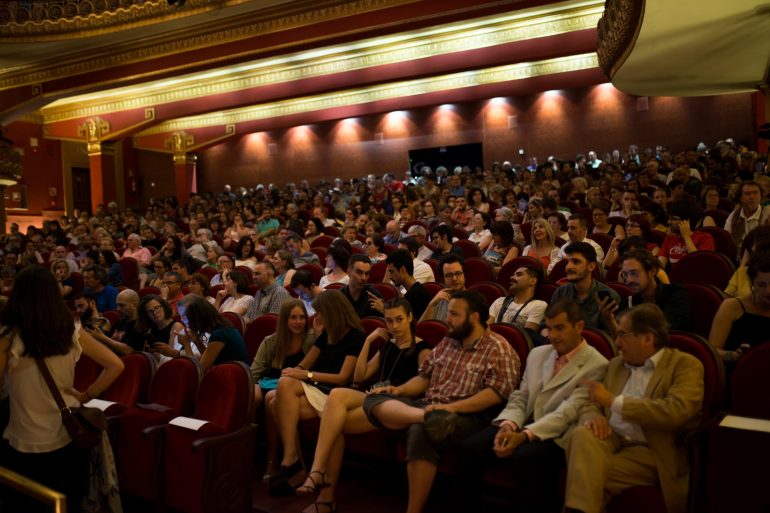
column 331, row 505
column 315, row 486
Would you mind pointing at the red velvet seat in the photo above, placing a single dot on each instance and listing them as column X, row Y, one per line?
column 372, row 323
column 459, row 233
column 111, row 315
column 146, row 291
column 130, row 268
column 623, row 290
column 78, row 284
column 723, row 241
column 517, row 337
column 601, row 341
column 489, row 289
column 172, row 393
column 506, row 271
column 703, row 266
column 705, row 300
column 431, row 331
column 320, row 252
column 603, row 240
column 332, row 231
column 719, row 216
column 235, row 320
column 215, row 289
column 750, row 383
column 256, row 332
column 377, row 273
column 433, row 288
column 335, row 286
column 545, row 291
column 315, row 270
column 86, row 372
column 387, row 291
column 208, row 272
column 209, row 470
column 133, row 384
column 470, row 249
column 526, row 230
column 322, row 241
column 246, row 271
column 477, row 269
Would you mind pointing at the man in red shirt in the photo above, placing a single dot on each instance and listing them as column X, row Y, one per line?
column 682, row 240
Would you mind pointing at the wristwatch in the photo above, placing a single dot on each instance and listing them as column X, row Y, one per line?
column 309, row 375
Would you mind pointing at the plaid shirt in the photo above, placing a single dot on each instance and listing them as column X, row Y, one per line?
column 456, row 373
column 268, row 300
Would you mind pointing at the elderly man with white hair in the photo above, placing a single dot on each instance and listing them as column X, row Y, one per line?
column 199, row 250
column 135, row 250
column 419, row 234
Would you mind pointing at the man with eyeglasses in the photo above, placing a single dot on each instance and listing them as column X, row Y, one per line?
column 638, row 270
column 453, row 270
column 364, row 298
column 171, row 290
column 631, row 434
column 682, row 240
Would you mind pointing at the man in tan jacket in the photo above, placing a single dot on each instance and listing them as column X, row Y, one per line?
column 628, row 435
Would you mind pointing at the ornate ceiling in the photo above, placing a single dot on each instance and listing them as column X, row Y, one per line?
column 215, row 69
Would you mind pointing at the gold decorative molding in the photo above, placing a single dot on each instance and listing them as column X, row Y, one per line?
column 419, row 44
column 618, row 30
column 59, row 19
column 380, row 92
column 179, row 142
column 301, row 13
column 93, row 131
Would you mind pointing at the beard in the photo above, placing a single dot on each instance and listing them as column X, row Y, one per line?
column 462, row 331
column 85, row 316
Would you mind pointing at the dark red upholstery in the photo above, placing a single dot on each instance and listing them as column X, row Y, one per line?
column 518, row 338
column 545, row 291
column 130, row 268
column 332, row 231
column 526, row 231
column 603, row 240
column 704, row 303
column 489, row 289
column 601, row 341
column 335, row 286
column 78, row 284
column 247, row 271
column 432, row 331
column 172, row 393
column 315, row 270
column 750, row 383
column 372, row 323
column 133, row 384
column 459, row 233
column 86, row 372
column 719, row 216
column 146, row 291
column 320, row 252
column 714, row 372
column 387, row 291
column 506, row 271
column 235, row 320
column 703, row 266
column 111, row 315
column 477, row 269
column 470, row 249
column 723, row 241
column 377, row 273
column 208, row 272
column 209, row 470
column 623, row 290
column 257, row 330
column 214, row 290
column 433, row 288
column 322, row 241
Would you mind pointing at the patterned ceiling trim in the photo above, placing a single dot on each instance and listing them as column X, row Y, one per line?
column 190, row 40
column 380, row 92
column 618, row 30
column 59, row 19
column 363, row 54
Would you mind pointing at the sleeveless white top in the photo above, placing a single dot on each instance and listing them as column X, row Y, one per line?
column 35, row 425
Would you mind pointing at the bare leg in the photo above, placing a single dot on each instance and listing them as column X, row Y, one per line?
column 291, row 407
column 397, row 415
column 420, row 474
column 258, row 397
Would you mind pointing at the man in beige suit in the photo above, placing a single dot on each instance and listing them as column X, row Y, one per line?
column 628, row 436
column 529, row 432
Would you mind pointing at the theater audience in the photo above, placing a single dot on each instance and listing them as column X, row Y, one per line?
column 543, row 245
column 748, row 213
column 682, row 240
column 577, row 228
column 453, row 273
column 235, row 296
column 337, row 259
column 503, row 249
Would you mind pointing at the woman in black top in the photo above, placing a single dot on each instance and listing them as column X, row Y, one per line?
column 395, row 362
column 302, row 390
column 155, row 319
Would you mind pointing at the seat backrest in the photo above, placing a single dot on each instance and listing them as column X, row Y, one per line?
column 372, row 323
column 477, row 269
column 703, row 266
column 751, row 381
column 208, row 272
column 713, row 369
column 315, row 271
column 225, row 396
column 545, row 291
column 235, row 320
column 377, row 273
column 433, row 288
column 506, row 271
column 603, row 240
column 320, row 252
column 175, row 385
column 111, row 315
column 256, row 332
column 146, row 291
column 432, row 331
column 622, row 289
column 323, row 241
column 470, row 249
column 130, row 268
column 387, row 291
column 332, row 231
column 600, row 341
column 490, row 290
column 86, row 372
column 78, row 284
column 723, row 241
column 247, row 272
column 133, row 384
column 704, row 301
column 517, row 337
column 526, row 231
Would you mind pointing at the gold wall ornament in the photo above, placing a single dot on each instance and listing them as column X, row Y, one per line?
column 179, row 142
column 93, row 131
column 618, row 30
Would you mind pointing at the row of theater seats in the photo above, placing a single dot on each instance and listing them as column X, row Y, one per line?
column 209, row 470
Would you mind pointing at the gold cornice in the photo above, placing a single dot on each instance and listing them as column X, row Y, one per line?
column 93, row 131
column 149, row 12
column 380, row 92
column 457, row 37
column 191, row 39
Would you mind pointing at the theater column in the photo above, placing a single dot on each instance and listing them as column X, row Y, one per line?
column 184, row 176
column 101, row 164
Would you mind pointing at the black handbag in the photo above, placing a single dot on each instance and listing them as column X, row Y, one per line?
column 84, row 425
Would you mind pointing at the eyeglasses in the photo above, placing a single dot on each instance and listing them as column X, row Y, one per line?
column 633, row 225
column 453, row 276
column 629, row 274
column 624, row 334
column 156, row 310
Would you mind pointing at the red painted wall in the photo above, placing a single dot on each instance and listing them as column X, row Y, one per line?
column 41, row 168
column 560, row 123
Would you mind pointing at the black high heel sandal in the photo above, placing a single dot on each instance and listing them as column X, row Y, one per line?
column 315, row 486
column 278, row 485
column 331, row 505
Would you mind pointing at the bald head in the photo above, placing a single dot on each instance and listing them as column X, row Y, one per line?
column 127, row 301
